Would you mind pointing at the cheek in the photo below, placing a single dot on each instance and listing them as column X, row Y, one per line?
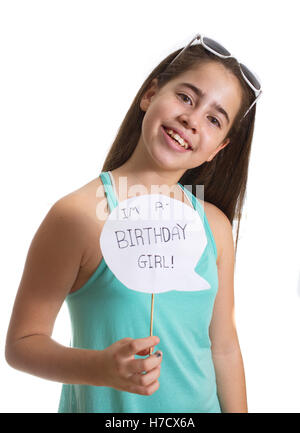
column 212, row 134
column 153, row 119
column 146, row 126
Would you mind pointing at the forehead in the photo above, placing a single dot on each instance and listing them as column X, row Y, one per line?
column 216, row 84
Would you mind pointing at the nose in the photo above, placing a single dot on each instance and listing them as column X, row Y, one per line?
column 189, row 122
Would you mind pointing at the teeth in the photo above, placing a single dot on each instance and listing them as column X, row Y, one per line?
column 177, row 137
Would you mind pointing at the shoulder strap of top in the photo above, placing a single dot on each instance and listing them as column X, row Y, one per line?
column 191, row 198
column 109, row 190
column 200, row 209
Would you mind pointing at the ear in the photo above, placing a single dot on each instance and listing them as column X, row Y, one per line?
column 148, row 95
column 220, row 147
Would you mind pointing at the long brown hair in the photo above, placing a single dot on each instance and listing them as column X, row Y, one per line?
column 225, row 177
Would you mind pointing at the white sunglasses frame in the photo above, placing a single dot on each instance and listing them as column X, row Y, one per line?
column 257, row 92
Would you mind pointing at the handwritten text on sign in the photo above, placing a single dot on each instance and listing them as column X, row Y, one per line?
column 152, row 244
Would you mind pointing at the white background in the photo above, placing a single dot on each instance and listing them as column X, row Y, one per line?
column 69, row 72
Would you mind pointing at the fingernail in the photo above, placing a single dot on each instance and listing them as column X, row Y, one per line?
column 158, row 354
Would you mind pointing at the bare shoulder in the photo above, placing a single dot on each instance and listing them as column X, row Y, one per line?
column 73, row 219
column 86, row 210
column 65, row 226
column 220, row 226
column 80, row 205
column 68, row 212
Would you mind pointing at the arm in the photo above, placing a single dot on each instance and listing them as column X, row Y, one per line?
column 226, row 352
column 55, row 255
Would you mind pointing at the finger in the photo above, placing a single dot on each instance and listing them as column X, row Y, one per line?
column 146, row 379
column 137, row 366
column 125, row 340
column 145, row 390
column 145, row 352
column 137, row 345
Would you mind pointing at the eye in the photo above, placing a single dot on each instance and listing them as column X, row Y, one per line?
column 216, row 120
column 182, row 96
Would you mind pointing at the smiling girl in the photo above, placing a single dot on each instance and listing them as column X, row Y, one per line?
column 191, row 123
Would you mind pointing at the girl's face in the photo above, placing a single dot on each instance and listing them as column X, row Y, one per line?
column 201, row 105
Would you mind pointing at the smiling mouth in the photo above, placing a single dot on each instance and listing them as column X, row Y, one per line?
column 176, row 138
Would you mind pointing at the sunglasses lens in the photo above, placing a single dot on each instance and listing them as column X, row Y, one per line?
column 215, row 46
column 251, row 77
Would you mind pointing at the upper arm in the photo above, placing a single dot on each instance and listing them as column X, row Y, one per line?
column 223, row 333
column 52, row 264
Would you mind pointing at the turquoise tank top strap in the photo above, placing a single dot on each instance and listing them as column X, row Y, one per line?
column 189, row 195
column 199, row 208
column 109, row 188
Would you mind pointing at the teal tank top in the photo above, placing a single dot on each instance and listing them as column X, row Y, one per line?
column 104, row 311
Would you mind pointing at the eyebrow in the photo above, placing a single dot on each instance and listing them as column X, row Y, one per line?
column 200, row 93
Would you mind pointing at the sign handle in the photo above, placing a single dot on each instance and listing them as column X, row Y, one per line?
column 151, row 322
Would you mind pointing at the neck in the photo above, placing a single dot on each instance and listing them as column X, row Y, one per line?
column 134, row 181
column 139, row 169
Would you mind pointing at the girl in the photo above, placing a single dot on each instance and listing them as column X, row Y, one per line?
column 205, row 100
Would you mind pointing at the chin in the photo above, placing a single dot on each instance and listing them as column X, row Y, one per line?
column 165, row 161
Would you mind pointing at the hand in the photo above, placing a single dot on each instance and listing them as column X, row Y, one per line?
column 125, row 373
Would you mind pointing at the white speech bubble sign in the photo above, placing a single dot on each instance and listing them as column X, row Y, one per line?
column 152, row 244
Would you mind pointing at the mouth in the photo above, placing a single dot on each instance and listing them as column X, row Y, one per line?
column 175, row 139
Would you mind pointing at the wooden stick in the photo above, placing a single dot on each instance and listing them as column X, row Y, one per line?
column 151, row 322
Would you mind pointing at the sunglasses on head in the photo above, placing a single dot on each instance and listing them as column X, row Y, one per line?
column 214, row 47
